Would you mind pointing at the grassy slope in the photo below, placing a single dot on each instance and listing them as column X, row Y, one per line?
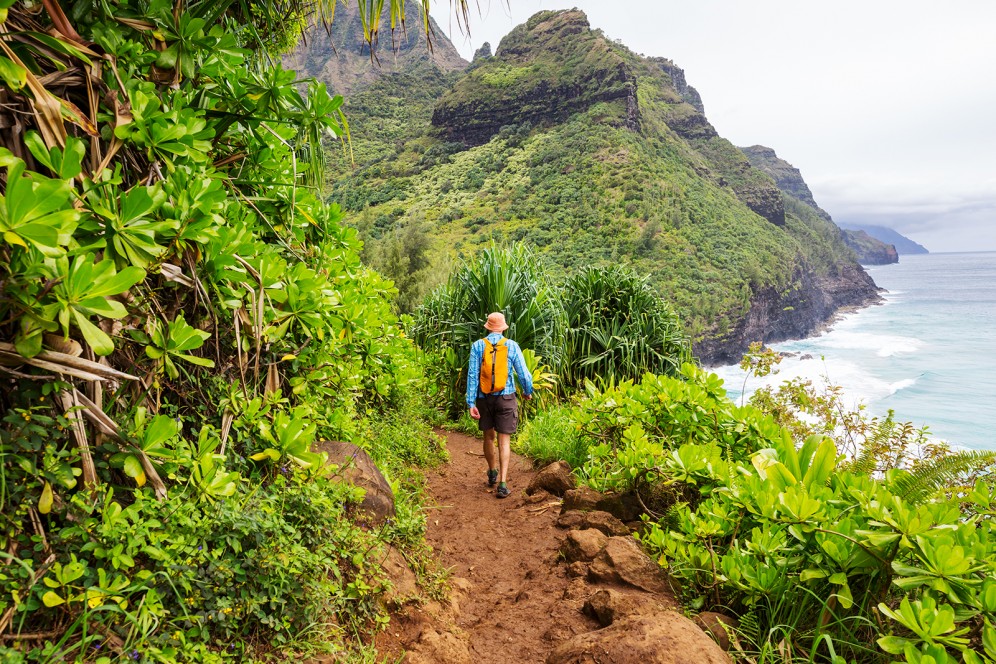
column 589, row 190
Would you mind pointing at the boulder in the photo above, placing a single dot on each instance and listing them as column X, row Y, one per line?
column 659, row 638
column 357, row 468
column 602, row 521
column 608, row 605
column 582, row 498
column 583, row 545
column 622, row 561
column 396, row 570
column 717, row 625
column 555, row 479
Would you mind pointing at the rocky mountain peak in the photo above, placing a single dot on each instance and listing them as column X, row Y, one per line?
column 544, row 71
column 340, row 57
column 788, row 178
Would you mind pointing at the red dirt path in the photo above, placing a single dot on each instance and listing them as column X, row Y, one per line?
column 514, row 609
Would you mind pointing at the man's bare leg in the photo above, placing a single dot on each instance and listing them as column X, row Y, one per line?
column 489, row 449
column 504, row 454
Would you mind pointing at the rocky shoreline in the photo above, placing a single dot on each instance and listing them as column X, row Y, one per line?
column 802, row 312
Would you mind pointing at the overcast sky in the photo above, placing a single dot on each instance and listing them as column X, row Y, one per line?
column 887, row 107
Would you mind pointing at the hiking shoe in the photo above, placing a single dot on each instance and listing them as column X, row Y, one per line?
column 502, row 491
column 492, row 477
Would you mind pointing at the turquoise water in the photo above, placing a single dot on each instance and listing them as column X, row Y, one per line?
column 928, row 352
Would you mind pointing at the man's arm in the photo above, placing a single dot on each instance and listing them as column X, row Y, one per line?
column 522, row 371
column 473, row 377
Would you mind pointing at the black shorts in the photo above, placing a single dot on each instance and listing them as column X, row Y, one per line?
column 500, row 413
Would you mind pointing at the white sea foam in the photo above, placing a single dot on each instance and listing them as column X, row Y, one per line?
column 860, row 386
column 901, row 385
column 883, row 345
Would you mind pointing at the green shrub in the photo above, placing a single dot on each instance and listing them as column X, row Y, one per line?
column 617, row 327
column 819, row 558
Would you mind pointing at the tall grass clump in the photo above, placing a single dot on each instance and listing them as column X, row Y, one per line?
column 618, row 328
column 549, row 436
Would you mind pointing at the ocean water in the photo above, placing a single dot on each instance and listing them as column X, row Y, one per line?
column 928, row 352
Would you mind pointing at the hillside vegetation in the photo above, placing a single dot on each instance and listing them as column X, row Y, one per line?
column 573, row 144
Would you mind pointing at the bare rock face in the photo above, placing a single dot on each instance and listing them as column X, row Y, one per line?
column 401, row 576
column 583, row 545
column 555, row 479
column 357, row 468
column 623, row 562
column 603, row 521
column 718, row 626
column 582, row 498
column 607, row 605
column 659, row 638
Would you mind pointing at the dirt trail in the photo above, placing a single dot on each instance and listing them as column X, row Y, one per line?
column 516, row 604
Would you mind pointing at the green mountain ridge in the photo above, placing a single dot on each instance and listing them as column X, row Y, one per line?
column 868, row 249
column 903, row 244
column 592, row 154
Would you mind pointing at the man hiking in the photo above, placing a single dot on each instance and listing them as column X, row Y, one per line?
column 491, row 395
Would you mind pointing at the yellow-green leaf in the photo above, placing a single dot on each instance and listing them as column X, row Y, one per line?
column 51, row 599
column 13, row 238
column 45, row 502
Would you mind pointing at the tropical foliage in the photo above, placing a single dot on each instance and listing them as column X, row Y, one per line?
column 599, row 324
column 181, row 317
column 822, row 559
column 506, row 280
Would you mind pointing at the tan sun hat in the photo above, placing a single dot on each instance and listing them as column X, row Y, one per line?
column 496, row 322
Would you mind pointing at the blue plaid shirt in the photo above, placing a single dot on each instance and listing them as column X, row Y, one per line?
column 515, row 362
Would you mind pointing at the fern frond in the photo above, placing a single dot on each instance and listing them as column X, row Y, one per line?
column 865, row 463
column 927, row 479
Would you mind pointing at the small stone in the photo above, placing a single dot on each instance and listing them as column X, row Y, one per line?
column 606, row 523
column 572, row 520
column 659, row 638
column 623, row 561
column 607, row 605
column 577, row 569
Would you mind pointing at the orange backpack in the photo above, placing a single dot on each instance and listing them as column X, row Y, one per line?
column 494, row 366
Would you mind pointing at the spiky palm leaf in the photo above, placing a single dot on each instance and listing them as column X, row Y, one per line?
column 618, row 328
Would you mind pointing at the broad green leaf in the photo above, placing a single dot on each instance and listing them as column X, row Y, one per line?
column 822, row 465
column 97, row 338
column 133, row 469
column 13, row 74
